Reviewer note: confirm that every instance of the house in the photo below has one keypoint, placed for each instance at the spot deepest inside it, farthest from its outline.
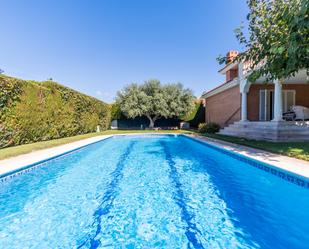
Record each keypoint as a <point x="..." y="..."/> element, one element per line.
<point x="255" y="110"/>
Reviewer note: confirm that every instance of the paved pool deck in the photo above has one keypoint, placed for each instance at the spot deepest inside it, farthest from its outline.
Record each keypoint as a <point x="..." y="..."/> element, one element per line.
<point x="296" y="166"/>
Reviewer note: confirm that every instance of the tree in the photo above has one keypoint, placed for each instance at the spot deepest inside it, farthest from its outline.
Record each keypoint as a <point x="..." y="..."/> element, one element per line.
<point x="277" y="45"/>
<point x="155" y="101"/>
<point x="1" y="71"/>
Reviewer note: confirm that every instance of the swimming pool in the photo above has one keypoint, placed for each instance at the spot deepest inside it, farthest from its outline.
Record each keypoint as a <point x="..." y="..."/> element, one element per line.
<point x="152" y="192"/>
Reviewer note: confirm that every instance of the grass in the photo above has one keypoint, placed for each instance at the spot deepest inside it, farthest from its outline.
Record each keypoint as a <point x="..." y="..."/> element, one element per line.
<point x="26" y="148"/>
<point x="298" y="150"/>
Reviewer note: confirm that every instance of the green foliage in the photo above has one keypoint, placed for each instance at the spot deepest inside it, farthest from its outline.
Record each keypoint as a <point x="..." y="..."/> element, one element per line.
<point x="155" y="101"/>
<point x="190" y="115"/>
<point x="202" y="127"/>
<point x="37" y="111"/>
<point x="277" y="45"/>
<point x="116" y="111"/>
<point x="196" y="116"/>
<point x="208" y="128"/>
<point x="10" y="91"/>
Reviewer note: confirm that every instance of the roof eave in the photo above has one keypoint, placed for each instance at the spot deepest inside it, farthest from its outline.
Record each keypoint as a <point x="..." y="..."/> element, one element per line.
<point x="221" y="88"/>
<point x="229" y="66"/>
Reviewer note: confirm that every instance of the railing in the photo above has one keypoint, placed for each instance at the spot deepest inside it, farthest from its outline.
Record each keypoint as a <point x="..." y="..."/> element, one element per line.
<point x="230" y="117"/>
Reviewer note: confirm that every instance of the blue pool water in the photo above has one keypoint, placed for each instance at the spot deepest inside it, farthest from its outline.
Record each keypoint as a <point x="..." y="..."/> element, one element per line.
<point x="152" y="192"/>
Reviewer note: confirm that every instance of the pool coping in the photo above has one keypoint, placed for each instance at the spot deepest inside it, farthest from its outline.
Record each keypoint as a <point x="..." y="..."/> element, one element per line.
<point x="22" y="162"/>
<point x="14" y="165"/>
<point x="294" y="166"/>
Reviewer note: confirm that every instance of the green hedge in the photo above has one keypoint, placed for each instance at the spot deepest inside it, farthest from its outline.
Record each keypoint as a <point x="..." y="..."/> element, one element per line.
<point x="33" y="111"/>
<point x="196" y="116"/>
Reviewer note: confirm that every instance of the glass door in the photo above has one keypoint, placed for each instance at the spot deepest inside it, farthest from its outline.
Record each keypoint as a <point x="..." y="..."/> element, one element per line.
<point x="266" y="105"/>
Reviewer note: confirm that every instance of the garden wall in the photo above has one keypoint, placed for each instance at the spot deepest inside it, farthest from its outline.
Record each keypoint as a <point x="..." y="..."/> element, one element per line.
<point x="32" y="111"/>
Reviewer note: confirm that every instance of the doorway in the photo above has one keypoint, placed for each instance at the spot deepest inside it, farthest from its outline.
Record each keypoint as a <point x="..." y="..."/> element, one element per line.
<point x="267" y="103"/>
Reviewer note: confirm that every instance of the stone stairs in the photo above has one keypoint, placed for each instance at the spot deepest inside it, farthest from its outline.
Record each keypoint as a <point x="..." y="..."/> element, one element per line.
<point x="270" y="131"/>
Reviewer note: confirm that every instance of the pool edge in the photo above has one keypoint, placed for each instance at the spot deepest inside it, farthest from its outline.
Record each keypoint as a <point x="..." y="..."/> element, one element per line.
<point x="29" y="167"/>
<point x="17" y="170"/>
<point x="284" y="174"/>
<point x="290" y="176"/>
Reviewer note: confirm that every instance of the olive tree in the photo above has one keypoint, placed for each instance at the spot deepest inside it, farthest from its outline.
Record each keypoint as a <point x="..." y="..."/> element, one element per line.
<point x="154" y="100"/>
<point x="277" y="40"/>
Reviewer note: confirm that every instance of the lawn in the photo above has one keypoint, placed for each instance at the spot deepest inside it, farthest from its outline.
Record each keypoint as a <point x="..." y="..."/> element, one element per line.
<point x="26" y="148"/>
<point x="298" y="150"/>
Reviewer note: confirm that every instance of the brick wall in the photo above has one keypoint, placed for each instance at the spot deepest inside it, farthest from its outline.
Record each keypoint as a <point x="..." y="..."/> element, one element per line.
<point x="224" y="106"/>
<point x="231" y="74"/>
<point x="301" y="98"/>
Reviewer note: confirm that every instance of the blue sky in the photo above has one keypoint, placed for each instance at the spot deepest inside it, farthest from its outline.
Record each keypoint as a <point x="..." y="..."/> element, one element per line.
<point x="99" y="46"/>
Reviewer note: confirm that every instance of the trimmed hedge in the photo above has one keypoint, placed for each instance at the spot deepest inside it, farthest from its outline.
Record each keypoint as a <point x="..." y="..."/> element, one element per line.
<point x="197" y="115"/>
<point x="32" y="111"/>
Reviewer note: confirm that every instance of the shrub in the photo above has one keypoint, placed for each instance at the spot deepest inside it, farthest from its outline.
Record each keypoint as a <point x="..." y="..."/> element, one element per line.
<point x="202" y="127"/>
<point x="208" y="128"/>
<point x="33" y="111"/>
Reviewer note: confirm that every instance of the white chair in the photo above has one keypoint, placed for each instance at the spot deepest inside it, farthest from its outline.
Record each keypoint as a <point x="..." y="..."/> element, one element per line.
<point x="302" y="112"/>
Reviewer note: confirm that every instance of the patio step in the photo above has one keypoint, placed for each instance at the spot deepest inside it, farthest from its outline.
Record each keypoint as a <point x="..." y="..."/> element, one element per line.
<point x="268" y="136"/>
<point x="266" y="130"/>
<point x="272" y="131"/>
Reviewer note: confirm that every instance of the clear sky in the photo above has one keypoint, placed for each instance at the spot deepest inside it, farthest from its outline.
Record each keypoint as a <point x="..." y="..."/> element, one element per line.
<point x="99" y="46"/>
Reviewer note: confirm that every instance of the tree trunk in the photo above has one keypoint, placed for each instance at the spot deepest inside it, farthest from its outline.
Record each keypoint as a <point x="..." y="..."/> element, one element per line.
<point x="151" y="121"/>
